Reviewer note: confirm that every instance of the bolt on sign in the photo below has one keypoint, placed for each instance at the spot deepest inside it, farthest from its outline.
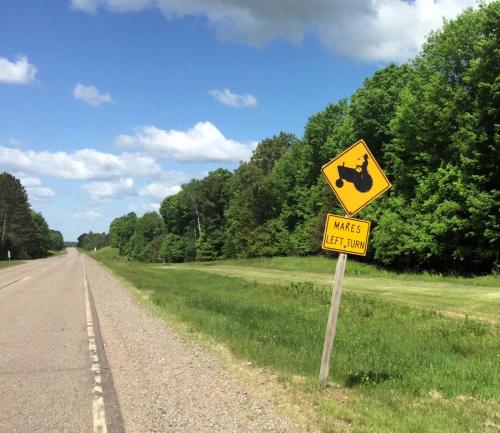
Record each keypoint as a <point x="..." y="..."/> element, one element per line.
<point x="355" y="177"/>
<point x="346" y="235"/>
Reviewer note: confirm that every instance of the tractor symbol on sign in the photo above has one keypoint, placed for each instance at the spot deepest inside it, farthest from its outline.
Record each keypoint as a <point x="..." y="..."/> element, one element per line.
<point x="359" y="176"/>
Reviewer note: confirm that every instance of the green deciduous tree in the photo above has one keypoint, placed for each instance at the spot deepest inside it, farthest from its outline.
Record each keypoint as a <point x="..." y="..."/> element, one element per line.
<point x="40" y="240"/>
<point x="56" y="240"/>
<point x="121" y="230"/>
<point x="90" y="241"/>
<point x="433" y="124"/>
<point x="444" y="154"/>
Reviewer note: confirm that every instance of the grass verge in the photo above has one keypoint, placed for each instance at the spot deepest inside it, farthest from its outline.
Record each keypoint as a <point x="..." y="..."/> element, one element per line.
<point x="7" y="264"/>
<point x="395" y="368"/>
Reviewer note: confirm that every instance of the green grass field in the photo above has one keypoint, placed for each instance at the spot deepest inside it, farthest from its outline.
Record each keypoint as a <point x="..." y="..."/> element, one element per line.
<point x="7" y="264"/>
<point x="477" y="297"/>
<point x="324" y="265"/>
<point x="397" y="368"/>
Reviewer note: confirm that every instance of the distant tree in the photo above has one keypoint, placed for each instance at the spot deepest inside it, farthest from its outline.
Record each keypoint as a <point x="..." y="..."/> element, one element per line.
<point x="56" y="240"/>
<point x="213" y="195"/>
<point x="374" y="105"/>
<point x="146" y="241"/>
<point x="444" y="155"/>
<point x="433" y="124"/>
<point x="270" y="150"/>
<point x="121" y="230"/>
<point x="174" y="249"/>
<point x="40" y="241"/>
<point x="319" y="130"/>
<point x="254" y="201"/>
<point x="16" y="226"/>
<point x="90" y="241"/>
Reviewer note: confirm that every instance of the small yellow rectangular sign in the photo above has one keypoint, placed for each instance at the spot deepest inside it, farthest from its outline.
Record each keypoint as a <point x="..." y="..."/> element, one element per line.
<point x="346" y="235"/>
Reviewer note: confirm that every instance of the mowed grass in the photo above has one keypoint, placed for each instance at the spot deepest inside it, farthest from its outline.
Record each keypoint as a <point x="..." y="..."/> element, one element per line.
<point x="477" y="297"/>
<point x="326" y="265"/>
<point x="397" y="368"/>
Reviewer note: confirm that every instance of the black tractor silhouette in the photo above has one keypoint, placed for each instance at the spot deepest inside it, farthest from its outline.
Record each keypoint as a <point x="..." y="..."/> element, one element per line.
<point x="359" y="176"/>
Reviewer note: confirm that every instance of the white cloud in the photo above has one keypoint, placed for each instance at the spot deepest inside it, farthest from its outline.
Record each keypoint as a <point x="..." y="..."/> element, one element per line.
<point x="168" y="183"/>
<point x="85" y="164"/>
<point x="15" y="142"/>
<point x="90" y="214"/>
<point x="141" y="208"/>
<point x="394" y="31"/>
<point x="203" y="142"/>
<point x="40" y="192"/>
<point x="376" y="30"/>
<point x="88" y="6"/>
<point x="226" y="97"/>
<point x="18" y="72"/>
<point x="29" y="182"/>
<point x="91" y="95"/>
<point x="36" y="191"/>
<point x="159" y="190"/>
<point x="109" y="190"/>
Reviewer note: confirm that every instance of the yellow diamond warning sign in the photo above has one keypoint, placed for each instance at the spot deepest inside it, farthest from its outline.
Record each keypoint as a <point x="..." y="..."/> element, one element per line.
<point x="355" y="177"/>
<point x="346" y="235"/>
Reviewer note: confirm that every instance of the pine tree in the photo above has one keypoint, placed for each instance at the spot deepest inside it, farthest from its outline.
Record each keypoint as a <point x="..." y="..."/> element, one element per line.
<point x="15" y="218"/>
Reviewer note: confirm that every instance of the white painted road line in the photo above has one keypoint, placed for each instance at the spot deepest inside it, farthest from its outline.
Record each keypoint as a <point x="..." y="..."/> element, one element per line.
<point x="99" y="414"/>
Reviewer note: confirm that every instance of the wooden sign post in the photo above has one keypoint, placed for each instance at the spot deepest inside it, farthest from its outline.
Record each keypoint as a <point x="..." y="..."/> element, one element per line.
<point x="332" y="320"/>
<point x="356" y="179"/>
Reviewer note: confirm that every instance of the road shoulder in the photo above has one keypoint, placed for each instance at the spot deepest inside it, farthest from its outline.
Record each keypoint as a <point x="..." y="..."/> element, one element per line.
<point x="165" y="383"/>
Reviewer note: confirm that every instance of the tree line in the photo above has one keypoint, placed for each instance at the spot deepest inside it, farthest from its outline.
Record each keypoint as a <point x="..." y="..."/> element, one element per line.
<point x="23" y="231"/>
<point x="90" y="241"/>
<point x="433" y="124"/>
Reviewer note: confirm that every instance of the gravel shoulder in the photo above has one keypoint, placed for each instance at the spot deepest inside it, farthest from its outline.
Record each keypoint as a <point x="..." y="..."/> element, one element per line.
<point x="165" y="383"/>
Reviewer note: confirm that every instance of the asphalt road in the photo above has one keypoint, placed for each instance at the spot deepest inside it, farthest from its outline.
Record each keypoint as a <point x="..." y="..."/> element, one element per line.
<point x="45" y="379"/>
<point x="78" y="354"/>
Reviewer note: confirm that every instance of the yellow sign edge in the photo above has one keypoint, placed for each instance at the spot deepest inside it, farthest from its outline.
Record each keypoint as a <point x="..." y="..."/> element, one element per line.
<point x="335" y="192"/>
<point x="328" y="215"/>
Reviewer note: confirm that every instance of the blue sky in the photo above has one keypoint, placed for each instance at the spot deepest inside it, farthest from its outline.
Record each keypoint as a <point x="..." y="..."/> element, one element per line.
<point x="107" y="106"/>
